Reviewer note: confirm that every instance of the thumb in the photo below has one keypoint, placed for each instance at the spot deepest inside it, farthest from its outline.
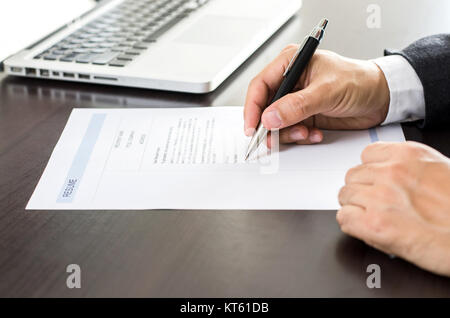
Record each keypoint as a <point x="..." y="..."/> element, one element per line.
<point x="294" y="108"/>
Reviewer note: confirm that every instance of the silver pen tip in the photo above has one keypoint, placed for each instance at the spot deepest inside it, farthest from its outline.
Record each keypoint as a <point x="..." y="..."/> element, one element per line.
<point x="323" y="23"/>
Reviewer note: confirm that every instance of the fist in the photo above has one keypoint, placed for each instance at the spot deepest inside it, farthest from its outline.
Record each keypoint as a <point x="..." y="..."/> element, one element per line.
<point x="398" y="201"/>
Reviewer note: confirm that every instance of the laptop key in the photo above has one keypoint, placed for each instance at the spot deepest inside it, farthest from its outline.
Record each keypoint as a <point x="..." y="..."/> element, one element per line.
<point x="85" y="58"/>
<point x="153" y="37"/>
<point x="122" y="34"/>
<point x="99" y="50"/>
<point x="120" y="49"/>
<point x="111" y="29"/>
<point x="141" y="46"/>
<point x="69" y="57"/>
<point x="51" y="57"/>
<point x="86" y="35"/>
<point x="127" y="43"/>
<point x="115" y="39"/>
<point x="59" y="52"/>
<point x="96" y="39"/>
<point x="133" y="52"/>
<point x="118" y="63"/>
<point x="91" y="30"/>
<point x="107" y="44"/>
<point x="135" y="39"/>
<point x="81" y="50"/>
<point x="69" y="46"/>
<point x="98" y="25"/>
<point x="125" y="57"/>
<point x="106" y="34"/>
<point x="89" y="45"/>
<point x="104" y="58"/>
<point x="76" y="41"/>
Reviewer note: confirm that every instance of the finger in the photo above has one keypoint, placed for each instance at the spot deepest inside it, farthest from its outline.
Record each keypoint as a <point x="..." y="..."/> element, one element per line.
<point x="257" y="96"/>
<point x="262" y="87"/>
<point x="377" y="152"/>
<point x="361" y="174"/>
<point x="294" y="133"/>
<point x="298" y="134"/>
<point x="355" y="194"/>
<point x="295" y="107"/>
<point x="350" y="220"/>
<point x="315" y="136"/>
<point x="377" y="230"/>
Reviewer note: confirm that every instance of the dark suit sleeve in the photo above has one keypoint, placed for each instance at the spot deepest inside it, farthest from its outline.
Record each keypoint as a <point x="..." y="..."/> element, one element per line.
<point x="430" y="58"/>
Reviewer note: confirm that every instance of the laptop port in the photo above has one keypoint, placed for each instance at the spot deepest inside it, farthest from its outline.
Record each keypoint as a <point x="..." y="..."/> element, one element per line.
<point x="30" y="71"/>
<point x="55" y="73"/>
<point x="15" y="69"/>
<point x="68" y="74"/>
<point x="104" y="78"/>
<point x="84" y="76"/>
<point x="44" y="73"/>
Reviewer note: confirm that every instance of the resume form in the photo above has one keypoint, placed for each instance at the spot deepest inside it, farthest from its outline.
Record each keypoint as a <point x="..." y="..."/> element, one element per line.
<point x="191" y="158"/>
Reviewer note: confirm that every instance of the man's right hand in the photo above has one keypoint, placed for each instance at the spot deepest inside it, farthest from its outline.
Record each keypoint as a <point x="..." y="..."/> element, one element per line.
<point x="334" y="92"/>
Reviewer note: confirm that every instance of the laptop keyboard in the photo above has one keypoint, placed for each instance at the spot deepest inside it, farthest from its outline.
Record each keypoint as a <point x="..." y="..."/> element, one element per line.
<point x="122" y="33"/>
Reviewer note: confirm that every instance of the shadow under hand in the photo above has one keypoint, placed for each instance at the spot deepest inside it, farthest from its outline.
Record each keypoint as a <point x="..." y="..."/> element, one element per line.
<point x="399" y="278"/>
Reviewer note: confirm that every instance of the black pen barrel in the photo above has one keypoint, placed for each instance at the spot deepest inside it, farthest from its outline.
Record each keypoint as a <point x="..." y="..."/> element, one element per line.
<point x="297" y="68"/>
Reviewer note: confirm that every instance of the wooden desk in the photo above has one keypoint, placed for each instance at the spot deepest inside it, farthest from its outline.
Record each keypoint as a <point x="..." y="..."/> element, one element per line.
<point x="195" y="253"/>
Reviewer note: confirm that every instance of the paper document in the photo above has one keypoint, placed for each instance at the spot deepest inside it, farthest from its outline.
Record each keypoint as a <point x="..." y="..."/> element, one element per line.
<point x="191" y="158"/>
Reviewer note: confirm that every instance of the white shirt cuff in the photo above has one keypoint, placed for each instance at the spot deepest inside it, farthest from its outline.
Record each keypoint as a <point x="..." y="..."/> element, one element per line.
<point x="406" y="91"/>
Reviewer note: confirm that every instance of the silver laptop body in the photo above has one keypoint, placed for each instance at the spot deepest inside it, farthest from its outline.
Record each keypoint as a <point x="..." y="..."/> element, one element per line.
<point x="176" y="45"/>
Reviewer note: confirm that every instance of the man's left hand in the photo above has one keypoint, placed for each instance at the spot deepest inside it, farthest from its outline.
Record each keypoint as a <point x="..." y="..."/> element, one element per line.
<point x="398" y="201"/>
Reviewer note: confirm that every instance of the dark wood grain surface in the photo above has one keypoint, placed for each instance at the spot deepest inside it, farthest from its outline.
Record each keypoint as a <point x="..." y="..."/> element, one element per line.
<point x="191" y="253"/>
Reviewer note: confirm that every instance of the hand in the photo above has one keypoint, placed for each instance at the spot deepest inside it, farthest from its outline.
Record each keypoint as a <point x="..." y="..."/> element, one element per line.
<point x="333" y="93"/>
<point x="398" y="201"/>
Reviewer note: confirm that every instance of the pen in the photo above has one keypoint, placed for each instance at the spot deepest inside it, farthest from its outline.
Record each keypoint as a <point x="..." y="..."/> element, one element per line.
<point x="291" y="75"/>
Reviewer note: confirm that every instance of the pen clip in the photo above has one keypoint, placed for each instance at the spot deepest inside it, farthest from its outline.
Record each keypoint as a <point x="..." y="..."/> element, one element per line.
<point x="317" y="34"/>
<point x="288" y="68"/>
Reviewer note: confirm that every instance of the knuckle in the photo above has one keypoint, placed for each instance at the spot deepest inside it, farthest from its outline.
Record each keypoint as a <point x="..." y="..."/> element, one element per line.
<point x="376" y="222"/>
<point x="383" y="196"/>
<point x="322" y="55"/>
<point x="365" y="154"/>
<point x="253" y="81"/>
<point x="340" y="217"/>
<point x="290" y="46"/>
<point x="342" y="220"/>
<point x="343" y="193"/>
<point x="384" y="193"/>
<point x="344" y="228"/>
<point x="409" y="149"/>
<point x="349" y="176"/>
<point x="328" y="85"/>
<point x="346" y="194"/>
<point x="295" y="106"/>
<point x="394" y="172"/>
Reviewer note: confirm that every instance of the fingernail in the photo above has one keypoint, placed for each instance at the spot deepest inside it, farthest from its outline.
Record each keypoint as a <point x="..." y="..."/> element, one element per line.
<point x="296" y="135"/>
<point x="315" y="137"/>
<point x="249" y="132"/>
<point x="272" y="119"/>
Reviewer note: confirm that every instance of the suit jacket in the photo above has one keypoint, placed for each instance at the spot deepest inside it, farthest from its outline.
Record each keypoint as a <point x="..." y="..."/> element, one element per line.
<point x="430" y="58"/>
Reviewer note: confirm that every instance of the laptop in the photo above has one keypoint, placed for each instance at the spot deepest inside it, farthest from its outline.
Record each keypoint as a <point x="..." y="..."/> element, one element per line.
<point x="176" y="45"/>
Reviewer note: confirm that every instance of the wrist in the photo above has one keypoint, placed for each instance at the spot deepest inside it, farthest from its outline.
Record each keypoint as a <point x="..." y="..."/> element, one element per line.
<point x="380" y="92"/>
<point x="438" y="251"/>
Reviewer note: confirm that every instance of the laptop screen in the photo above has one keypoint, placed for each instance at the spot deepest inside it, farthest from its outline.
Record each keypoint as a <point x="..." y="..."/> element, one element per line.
<point x="24" y="22"/>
